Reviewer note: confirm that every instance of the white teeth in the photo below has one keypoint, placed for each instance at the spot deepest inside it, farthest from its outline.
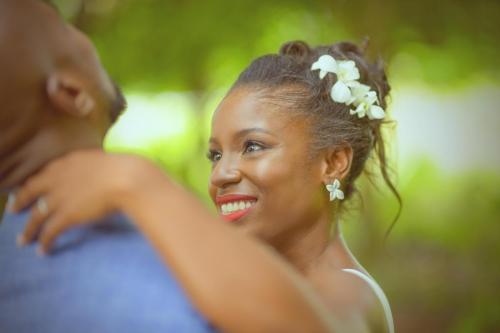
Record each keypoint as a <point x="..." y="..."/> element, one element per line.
<point x="232" y="207"/>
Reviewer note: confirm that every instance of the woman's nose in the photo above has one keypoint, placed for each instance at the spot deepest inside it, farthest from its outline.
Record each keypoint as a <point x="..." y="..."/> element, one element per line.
<point x="225" y="173"/>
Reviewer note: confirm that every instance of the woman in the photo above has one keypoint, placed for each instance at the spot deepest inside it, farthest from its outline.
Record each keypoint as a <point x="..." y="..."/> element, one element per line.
<point x="288" y="142"/>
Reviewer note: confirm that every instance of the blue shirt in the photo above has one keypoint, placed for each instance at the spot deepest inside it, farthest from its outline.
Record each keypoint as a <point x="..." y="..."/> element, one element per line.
<point x="101" y="279"/>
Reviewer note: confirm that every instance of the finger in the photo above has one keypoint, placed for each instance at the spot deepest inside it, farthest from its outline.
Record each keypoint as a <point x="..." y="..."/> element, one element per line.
<point x="54" y="227"/>
<point x="38" y="217"/>
<point x="34" y="188"/>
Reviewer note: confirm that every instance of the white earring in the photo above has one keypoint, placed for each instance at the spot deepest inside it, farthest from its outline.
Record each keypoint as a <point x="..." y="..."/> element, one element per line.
<point x="335" y="191"/>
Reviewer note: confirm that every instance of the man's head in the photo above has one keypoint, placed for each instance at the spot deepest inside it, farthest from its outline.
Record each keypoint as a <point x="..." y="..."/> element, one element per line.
<point x="55" y="95"/>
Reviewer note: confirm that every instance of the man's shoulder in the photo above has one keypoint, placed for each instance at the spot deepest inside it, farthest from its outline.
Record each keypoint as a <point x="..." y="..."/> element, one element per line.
<point x="107" y="278"/>
<point x="114" y="234"/>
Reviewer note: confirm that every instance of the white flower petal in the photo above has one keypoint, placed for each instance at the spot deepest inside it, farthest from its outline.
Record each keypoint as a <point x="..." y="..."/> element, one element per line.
<point x="339" y="194"/>
<point x="326" y="64"/>
<point x="354" y="111"/>
<point x="349" y="70"/>
<point x="352" y="84"/>
<point x="346" y="65"/>
<point x="371" y="97"/>
<point x="336" y="183"/>
<point x="361" y="110"/>
<point x="376" y="112"/>
<point x="330" y="187"/>
<point x="332" y="195"/>
<point x="360" y="90"/>
<point x="340" y="92"/>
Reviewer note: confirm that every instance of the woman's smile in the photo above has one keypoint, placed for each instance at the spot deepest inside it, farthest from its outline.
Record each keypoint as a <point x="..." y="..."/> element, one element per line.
<point x="263" y="176"/>
<point x="233" y="207"/>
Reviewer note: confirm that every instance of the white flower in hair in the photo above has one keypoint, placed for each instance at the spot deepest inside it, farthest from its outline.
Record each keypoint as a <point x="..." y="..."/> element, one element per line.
<point x="347" y="76"/>
<point x="335" y="191"/>
<point x="348" y="90"/>
<point x="326" y="64"/>
<point x="365" y="101"/>
<point x="358" y="91"/>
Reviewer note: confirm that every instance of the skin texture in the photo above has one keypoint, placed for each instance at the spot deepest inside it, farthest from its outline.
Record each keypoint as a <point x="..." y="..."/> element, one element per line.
<point x="320" y="295"/>
<point x="57" y="99"/>
<point x="258" y="149"/>
<point x="260" y="152"/>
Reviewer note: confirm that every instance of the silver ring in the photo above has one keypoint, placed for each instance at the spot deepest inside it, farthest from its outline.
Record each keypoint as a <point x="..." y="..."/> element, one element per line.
<point x="42" y="206"/>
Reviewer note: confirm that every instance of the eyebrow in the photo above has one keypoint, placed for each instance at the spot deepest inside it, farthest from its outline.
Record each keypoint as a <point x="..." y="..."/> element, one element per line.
<point x="244" y="132"/>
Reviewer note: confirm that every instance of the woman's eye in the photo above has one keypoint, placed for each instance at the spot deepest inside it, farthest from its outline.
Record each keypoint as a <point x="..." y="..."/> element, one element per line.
<point x="251" y="146"/>
<point x="214" y="155"/>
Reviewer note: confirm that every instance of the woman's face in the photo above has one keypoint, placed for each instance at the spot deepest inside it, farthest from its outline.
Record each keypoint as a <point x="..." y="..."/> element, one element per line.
<point x="264" y="177"/>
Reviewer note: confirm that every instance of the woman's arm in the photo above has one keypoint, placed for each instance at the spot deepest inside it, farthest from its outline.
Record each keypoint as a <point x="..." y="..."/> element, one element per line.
<point x="237" y="282"/>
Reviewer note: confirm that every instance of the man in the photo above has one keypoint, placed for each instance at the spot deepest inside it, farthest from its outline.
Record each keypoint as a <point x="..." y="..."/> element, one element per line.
<point x="56" y="97"/>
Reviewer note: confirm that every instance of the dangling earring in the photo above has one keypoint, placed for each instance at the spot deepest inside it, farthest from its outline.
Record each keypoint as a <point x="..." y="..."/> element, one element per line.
<point x="335" y="191"/>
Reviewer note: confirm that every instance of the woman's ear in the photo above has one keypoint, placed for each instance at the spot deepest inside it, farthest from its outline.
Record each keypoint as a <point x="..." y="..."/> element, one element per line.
<point x="337" y="163"/>
<point x="68" y="93"/>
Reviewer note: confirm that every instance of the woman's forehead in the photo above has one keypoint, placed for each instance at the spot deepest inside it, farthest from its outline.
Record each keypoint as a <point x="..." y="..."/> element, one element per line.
<point x="242" y="112"/>
<point x="244" y="108"/>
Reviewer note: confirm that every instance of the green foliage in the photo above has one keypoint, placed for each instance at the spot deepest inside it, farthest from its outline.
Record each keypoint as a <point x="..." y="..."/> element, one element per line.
<point x="439" y="265"/>
<point x="158" y="45"/>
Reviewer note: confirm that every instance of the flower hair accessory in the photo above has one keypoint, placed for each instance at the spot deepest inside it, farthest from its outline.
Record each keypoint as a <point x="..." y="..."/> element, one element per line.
<point x="348" y="90"/>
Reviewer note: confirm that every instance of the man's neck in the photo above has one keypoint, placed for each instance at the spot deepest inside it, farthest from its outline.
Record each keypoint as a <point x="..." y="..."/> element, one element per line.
<point x="46" y="146"/>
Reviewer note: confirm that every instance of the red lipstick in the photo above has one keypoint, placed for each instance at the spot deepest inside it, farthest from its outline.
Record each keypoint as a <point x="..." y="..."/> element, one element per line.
<point x="236" y="215"/>
<point x="230" y="198"/>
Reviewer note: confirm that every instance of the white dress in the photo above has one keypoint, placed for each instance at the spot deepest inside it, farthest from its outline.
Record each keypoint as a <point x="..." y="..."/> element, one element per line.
<point x="380" y="295"/>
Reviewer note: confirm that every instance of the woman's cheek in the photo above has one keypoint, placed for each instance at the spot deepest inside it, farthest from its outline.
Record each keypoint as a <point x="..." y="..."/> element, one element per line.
<point x="271" y="170"/>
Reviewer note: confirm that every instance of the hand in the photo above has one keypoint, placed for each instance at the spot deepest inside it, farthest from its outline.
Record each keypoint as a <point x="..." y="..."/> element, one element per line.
<point x="77" y="189"/>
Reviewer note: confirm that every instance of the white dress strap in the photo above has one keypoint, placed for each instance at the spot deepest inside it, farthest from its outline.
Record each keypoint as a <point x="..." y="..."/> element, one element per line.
<point x="380" y="295"/>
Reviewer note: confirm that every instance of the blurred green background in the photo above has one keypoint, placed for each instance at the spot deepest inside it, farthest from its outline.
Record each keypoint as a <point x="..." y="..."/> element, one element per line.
<point x="440" y="265"/>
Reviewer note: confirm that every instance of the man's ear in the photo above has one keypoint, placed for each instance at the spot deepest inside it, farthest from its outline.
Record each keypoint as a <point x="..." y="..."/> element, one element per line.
<point x="68" y="93"/>
<point x="337" y="163"/>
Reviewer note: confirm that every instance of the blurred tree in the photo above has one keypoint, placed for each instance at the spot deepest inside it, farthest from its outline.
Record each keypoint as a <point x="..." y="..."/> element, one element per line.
<point x="193" y="45"/>
<point x="445" y="247"/>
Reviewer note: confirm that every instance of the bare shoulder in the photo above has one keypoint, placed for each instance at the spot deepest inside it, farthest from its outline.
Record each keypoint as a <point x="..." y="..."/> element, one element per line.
<point x="354" y="297"/>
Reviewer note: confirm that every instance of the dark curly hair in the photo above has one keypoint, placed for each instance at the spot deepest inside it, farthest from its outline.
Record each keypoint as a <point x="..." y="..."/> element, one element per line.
<point x="286" y="79"/>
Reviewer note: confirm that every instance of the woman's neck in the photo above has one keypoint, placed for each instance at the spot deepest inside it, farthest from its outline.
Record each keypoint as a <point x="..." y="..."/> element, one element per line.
<point x="305" y="248"/>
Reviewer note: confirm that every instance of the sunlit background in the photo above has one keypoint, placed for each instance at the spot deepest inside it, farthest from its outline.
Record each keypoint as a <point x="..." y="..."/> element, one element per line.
<point x="440" y="265"/>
